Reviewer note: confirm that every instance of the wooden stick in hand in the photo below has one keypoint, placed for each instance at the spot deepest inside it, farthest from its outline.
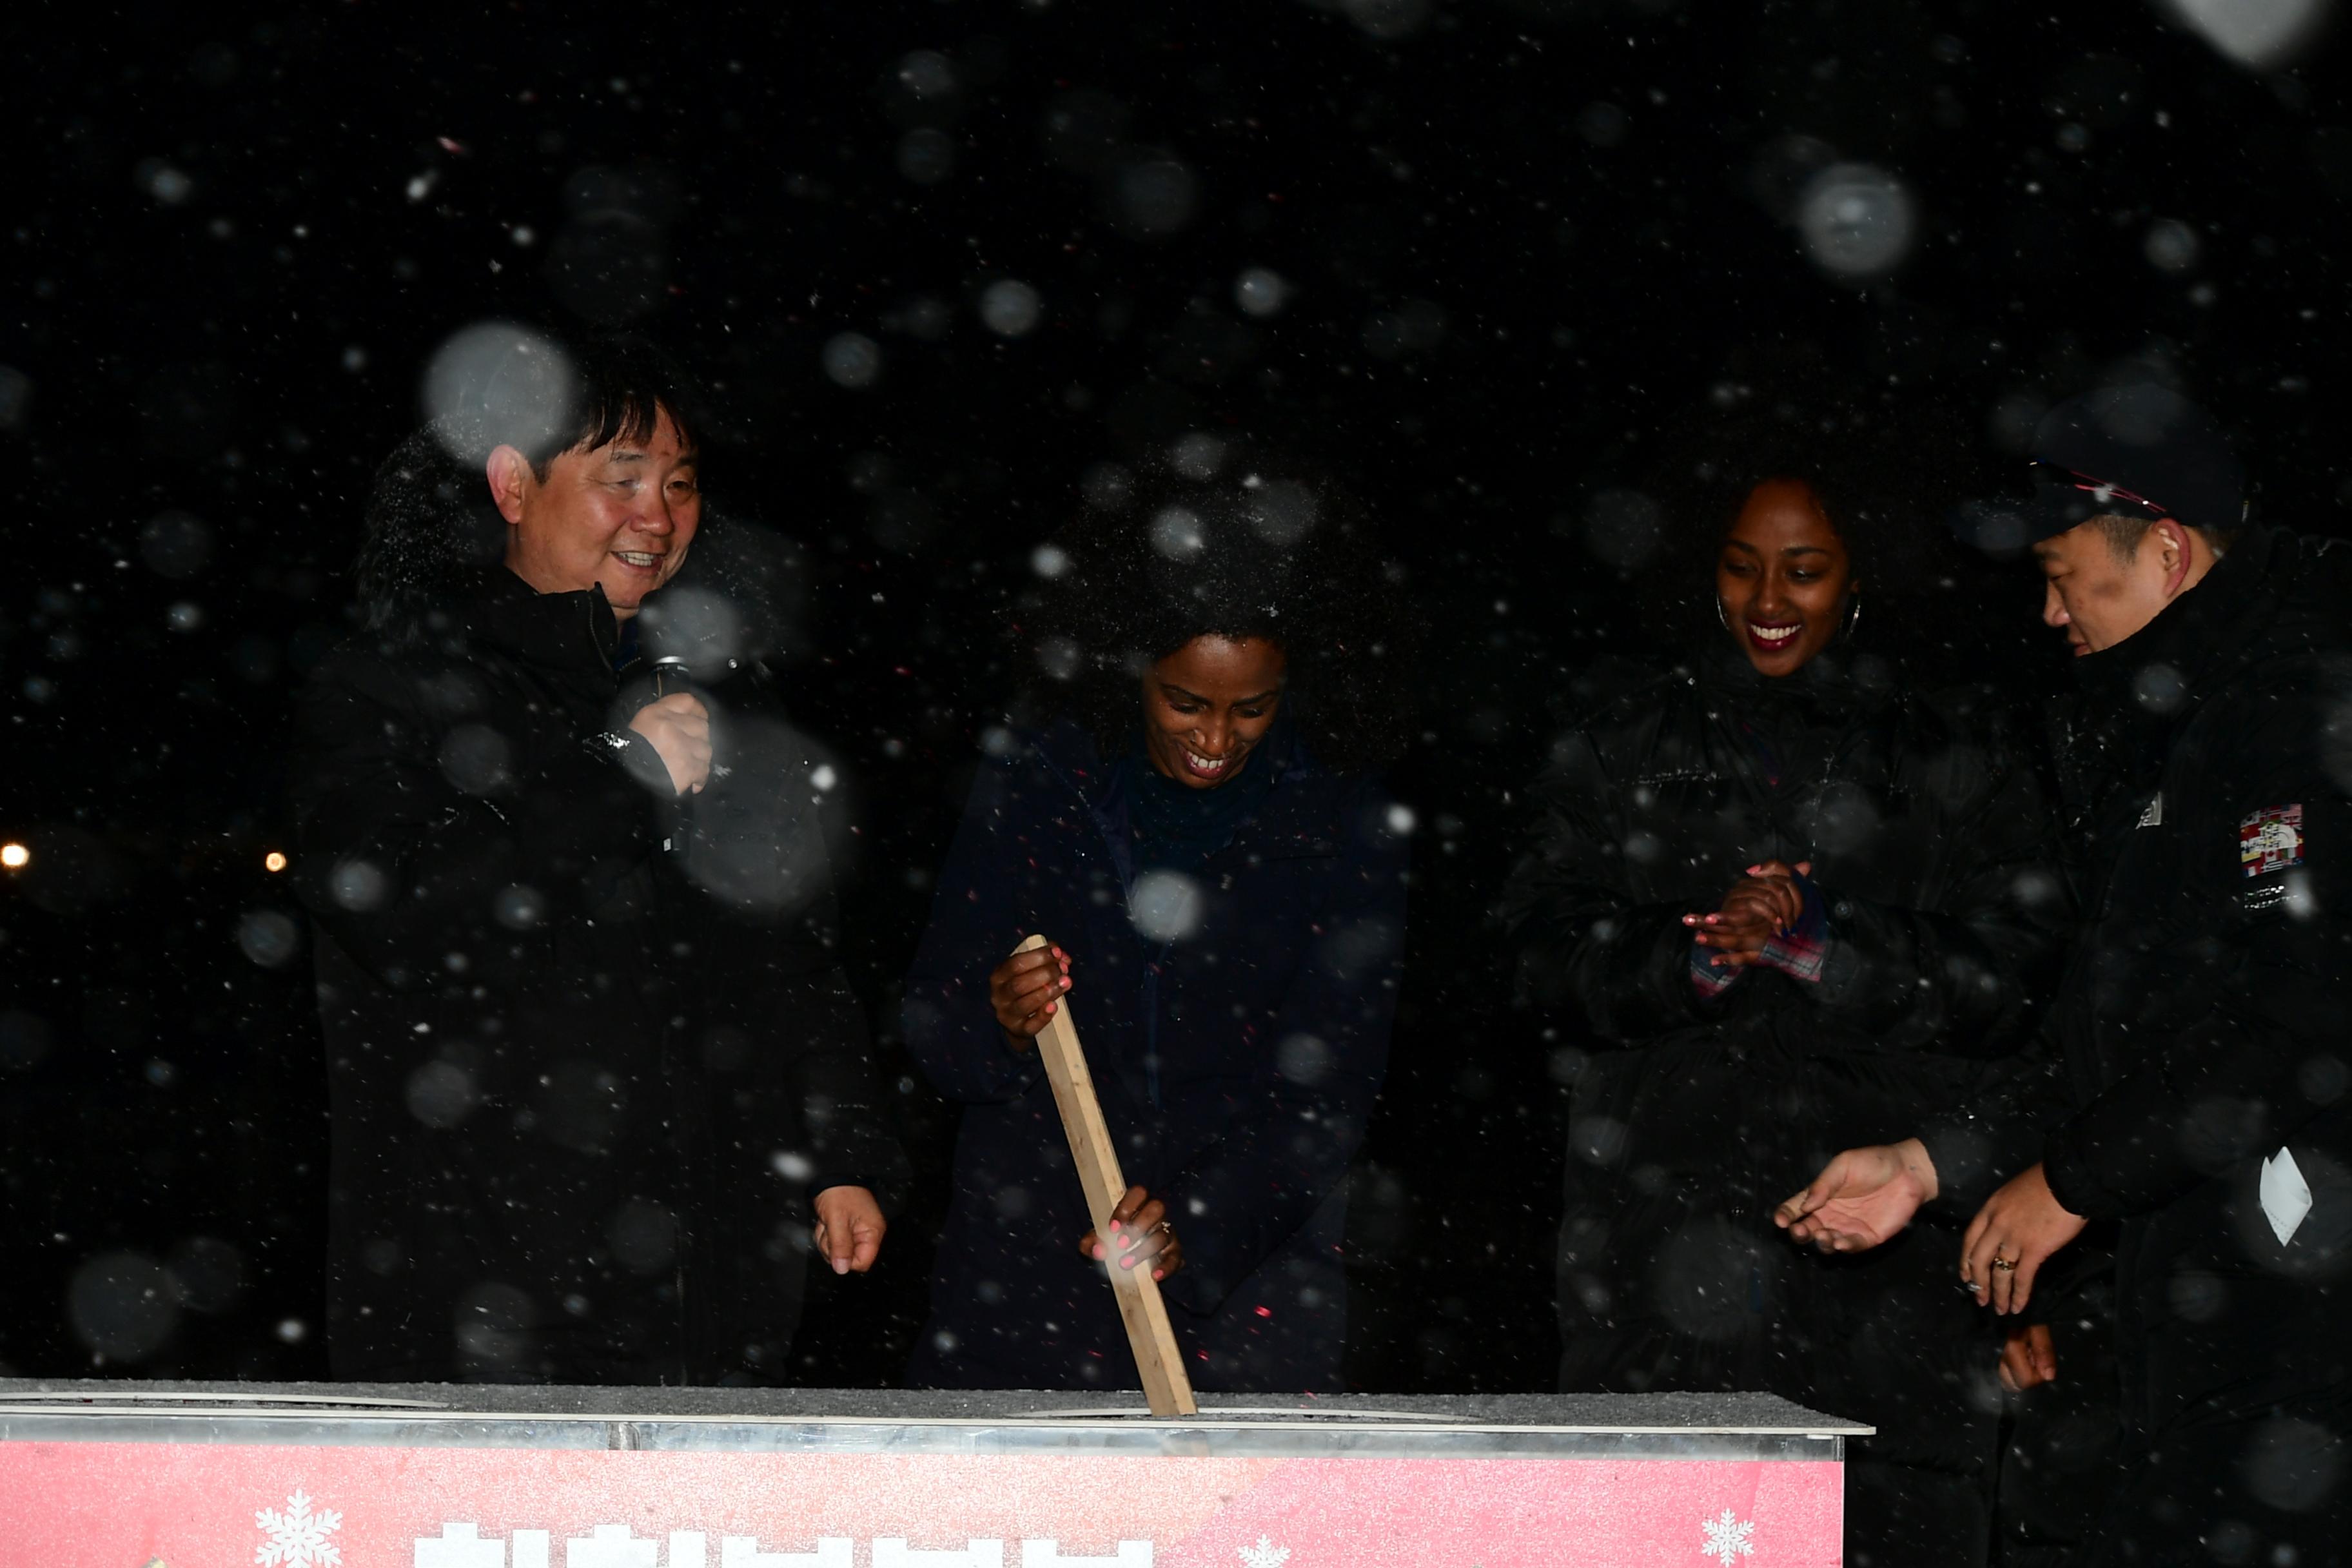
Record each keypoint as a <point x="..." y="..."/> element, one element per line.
<point x="1149" y="1334"/>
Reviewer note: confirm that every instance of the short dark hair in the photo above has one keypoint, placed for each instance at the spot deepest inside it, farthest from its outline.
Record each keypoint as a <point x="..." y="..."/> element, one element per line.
<point x="1217" y="538"/>
<point x="620" y="384"/>
<point x="543" y="395"/>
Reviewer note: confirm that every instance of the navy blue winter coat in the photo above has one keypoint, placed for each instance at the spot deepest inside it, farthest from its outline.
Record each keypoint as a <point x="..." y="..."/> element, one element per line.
<point x="1237" y="1066"/>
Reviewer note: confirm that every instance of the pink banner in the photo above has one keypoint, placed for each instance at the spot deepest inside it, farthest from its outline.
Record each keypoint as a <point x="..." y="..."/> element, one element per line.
<point x="122" y="1505"/>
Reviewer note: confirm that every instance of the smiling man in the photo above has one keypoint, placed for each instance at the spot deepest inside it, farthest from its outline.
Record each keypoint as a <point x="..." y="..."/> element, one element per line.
<point x="619" y="515"/>
<point x="597" y="1084"/>
<point x="2197" y="1064"/>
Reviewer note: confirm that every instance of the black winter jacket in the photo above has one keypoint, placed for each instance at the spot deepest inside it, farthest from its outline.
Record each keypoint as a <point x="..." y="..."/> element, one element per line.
<point x="2199" y="1038"/>
<point x="1693" y="1115"/>
<point x="588" y="1045"/>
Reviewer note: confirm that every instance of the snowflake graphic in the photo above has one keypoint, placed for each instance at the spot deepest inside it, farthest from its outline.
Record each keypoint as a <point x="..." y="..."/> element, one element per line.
<point x="297" y="1538"/>
<point x="1264" y="1554"/>
<point x="1727" y="1538"/>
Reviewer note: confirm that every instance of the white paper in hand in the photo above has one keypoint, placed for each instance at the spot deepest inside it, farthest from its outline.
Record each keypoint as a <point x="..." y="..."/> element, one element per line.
<point x="2286" y="1196"/>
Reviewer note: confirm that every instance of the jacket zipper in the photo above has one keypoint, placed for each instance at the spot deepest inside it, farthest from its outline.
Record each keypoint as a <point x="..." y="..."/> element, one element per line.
<point x="689" y="1237"/>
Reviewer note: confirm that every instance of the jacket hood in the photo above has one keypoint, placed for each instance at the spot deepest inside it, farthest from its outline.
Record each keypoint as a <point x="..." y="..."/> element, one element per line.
<point x="434" y="540"/>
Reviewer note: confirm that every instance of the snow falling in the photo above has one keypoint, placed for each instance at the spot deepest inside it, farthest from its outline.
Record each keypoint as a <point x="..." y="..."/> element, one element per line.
<point x="1460" y="310"/>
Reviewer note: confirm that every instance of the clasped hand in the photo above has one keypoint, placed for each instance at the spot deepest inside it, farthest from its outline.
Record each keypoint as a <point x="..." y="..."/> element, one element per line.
<point x="849" y="1228"/>
<point x="1024" y="992"/>
<point x="677" y="727"/>
<point x="1760" y="906"/>
<point x="1139" y="1229"/>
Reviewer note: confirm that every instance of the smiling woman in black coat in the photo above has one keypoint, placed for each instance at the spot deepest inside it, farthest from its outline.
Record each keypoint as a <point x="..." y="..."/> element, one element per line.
<point x="1197" y="831"/>
<point x="1780" y="894"/>
<point x="590" y="1057"/>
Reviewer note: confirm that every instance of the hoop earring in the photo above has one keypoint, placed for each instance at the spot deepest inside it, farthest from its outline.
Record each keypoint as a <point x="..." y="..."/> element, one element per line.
<point x="1854" y="614"/>
<point x="1721" y="614"/>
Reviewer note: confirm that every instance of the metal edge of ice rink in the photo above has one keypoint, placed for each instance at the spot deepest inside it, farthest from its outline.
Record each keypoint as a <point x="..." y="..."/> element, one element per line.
<point x="1356" y="1428"/>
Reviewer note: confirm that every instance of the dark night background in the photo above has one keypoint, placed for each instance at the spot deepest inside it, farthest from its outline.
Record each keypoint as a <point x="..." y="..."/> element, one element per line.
<point x="1519" y="238"/>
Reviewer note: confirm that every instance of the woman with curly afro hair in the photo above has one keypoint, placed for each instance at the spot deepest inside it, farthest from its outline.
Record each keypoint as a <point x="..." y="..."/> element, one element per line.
<point x="1195" y="823"/>
<point x="1778" y="888"/>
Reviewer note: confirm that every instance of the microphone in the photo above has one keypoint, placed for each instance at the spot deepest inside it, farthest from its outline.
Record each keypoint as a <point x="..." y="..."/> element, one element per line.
<point x="674" y="645"/>
<point x="688" y="632"/>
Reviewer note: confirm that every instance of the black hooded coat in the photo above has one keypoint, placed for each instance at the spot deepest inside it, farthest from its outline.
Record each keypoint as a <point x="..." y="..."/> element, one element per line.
<point x="588" y="1044"/>
<point x="2196" y="1086"/>
<point x="1934" y="857"/>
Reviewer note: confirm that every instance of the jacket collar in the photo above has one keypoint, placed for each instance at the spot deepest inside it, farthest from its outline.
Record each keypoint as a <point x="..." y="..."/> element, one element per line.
<point x="2145" y="687"/>
<point x="2131" y="701"/>
<point x="1070" y="749"/>
<point x="486" y="606"/>
<point x="1839" y="682"/>
<point x="1283" y="820"/>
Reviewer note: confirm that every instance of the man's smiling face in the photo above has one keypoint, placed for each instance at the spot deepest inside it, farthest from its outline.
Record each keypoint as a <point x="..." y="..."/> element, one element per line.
<point x="622" y="514"/>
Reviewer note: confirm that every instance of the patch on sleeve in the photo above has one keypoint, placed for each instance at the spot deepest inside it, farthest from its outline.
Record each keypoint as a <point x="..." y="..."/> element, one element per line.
<point x="2270" y="840"/>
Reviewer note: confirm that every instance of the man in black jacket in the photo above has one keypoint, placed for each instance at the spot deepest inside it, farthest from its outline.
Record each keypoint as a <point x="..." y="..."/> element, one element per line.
<point x="589" y="1043"/>
<point x="2194" y="1085"/>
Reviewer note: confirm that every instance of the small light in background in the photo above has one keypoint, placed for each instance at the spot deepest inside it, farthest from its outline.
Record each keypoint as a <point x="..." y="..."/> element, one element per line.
<point x="15" y="855"/>
<point x="273" y="861"/>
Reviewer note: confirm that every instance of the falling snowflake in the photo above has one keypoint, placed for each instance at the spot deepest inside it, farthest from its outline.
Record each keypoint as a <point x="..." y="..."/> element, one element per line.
<point x="1264" y="1554"/>
<point x="297" y="1538"/>
<point x="1727" y="1538"/>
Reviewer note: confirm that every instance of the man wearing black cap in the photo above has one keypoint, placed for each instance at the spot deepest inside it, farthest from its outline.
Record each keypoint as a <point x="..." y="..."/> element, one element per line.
<point x="2195" y="1064"/>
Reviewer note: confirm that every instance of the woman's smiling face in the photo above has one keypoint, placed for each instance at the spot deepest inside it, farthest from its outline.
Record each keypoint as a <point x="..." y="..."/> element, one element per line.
<point x="1207" y="705"/>
<point x="1782" y="576"/>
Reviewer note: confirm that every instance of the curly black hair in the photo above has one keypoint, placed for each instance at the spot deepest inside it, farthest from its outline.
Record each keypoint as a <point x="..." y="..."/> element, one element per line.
<point x="1217" y="538"/>
<point x="1885" y="471"/>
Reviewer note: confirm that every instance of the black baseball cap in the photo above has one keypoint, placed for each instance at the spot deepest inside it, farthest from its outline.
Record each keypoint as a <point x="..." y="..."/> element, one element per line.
<point x="2141" y="450"/>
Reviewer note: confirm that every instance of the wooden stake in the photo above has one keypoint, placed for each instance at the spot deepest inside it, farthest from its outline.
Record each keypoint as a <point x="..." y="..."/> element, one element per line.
<point x="1148" y="1335"/>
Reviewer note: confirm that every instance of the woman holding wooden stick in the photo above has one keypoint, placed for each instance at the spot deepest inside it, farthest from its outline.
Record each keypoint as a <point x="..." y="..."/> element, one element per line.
<point x="1192" y="818"/>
